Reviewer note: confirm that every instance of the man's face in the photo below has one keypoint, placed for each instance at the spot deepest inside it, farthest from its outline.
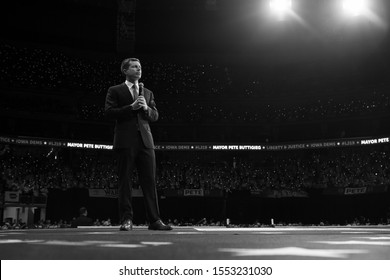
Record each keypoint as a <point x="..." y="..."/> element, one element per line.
<point x="134" y="72"/>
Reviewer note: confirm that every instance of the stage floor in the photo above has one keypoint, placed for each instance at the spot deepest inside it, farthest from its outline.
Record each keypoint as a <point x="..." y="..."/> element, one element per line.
<point x="198" y="243"/>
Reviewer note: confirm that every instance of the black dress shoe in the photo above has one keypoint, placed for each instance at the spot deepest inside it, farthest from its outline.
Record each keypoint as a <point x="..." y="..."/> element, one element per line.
<point x="159" y="225"/>
<point x="126" y="225"/>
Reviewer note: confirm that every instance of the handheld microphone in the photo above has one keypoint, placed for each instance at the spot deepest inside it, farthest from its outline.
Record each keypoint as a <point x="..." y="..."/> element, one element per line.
<point x="141" y="88"/>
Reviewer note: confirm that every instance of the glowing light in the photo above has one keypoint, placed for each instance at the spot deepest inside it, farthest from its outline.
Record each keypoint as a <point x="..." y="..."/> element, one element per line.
<point x="280" y="7"/>
<point x="354" y="7"/>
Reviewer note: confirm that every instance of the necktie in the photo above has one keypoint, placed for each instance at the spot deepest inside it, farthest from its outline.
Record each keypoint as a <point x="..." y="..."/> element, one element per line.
<point x="135" y="92"/>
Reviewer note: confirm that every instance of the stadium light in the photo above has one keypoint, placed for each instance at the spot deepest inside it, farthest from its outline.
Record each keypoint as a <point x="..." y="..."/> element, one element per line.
<point x="280" y="7"/>
<point x="354" y="7"/>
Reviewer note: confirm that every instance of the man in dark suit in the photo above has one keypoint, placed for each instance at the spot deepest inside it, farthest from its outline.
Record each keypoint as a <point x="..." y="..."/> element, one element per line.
<point x="83" y="219"/>
<point x="132" y="107"/>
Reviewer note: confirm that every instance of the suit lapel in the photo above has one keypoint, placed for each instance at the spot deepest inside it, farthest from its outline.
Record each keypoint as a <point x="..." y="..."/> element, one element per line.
<point x="126" y="91"/>
<point x="146" y="95"/>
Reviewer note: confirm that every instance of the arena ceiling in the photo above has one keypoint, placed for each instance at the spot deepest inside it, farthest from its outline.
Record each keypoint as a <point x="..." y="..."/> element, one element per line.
<point x="316" y="31"/>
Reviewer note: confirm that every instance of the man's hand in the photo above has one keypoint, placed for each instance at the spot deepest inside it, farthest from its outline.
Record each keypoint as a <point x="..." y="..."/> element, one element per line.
<point x="139" y="103"/>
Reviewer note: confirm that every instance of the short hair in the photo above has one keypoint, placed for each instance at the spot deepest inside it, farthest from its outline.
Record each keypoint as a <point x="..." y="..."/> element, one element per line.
<point x="83" y="210"/>
<point x="126" y="63"/>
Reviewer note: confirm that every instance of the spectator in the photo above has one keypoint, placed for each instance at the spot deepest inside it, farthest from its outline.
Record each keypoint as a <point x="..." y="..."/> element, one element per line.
<point x="83" y="219"/>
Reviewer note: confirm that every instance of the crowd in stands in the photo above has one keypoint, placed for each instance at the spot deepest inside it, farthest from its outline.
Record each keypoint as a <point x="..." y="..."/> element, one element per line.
<point x="294" y="171"/>
<point x="36" y="68"/>
<point x="204" y="222"/>
<point x="257" y="111"/>
<point x="48" y="224"/>
<point x="195" y="112"/>
<point x="37" y="170"/>
<point x="185" y="93"/>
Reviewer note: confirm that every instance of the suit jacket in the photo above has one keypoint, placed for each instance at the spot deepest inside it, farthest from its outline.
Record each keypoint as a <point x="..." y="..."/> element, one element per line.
<point x="129" y="121"/>
<point x="82" y="221"/>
